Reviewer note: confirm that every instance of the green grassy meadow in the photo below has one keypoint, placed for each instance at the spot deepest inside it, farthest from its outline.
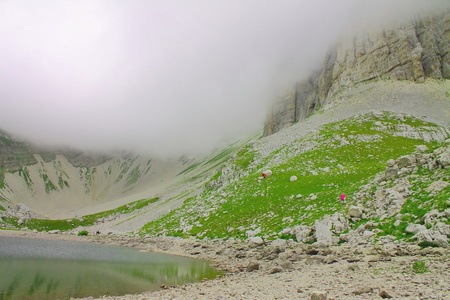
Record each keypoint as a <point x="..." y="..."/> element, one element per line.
<point x="338" y="159"/>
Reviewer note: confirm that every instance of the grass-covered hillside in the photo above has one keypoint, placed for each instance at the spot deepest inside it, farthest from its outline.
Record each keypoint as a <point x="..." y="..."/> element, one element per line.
<point x="393" y="169"/>
<point x="347" y="157"/>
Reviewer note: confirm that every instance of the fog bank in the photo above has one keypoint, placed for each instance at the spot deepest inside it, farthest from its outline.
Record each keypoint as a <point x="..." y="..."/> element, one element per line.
<point x="164" y="77"/>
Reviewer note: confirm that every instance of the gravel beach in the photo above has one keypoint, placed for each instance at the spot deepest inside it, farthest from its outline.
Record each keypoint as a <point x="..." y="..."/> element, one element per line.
<point x="290" y="270"/>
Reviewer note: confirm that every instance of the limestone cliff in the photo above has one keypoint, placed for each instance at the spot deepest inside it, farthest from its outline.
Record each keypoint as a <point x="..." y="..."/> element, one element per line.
<point x="414" y="51"/>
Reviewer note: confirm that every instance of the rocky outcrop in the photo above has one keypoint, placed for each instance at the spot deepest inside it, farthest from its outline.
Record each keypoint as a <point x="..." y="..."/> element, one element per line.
<point x="385" y="198"/>
<point x="413" y="51"/>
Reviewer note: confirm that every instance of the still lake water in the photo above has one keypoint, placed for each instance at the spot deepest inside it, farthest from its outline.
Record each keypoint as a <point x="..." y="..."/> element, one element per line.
<point x="48" y="269"/>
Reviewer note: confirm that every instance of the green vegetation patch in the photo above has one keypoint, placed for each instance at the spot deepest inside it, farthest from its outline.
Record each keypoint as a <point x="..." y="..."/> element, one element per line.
<point x="133" y="176"/>
<point x="69" y="224"/>
<point x="420" y="267"/>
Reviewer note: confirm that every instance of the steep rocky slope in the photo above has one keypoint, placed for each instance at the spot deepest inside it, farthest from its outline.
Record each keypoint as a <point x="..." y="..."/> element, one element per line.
<point x="413" y="51"/>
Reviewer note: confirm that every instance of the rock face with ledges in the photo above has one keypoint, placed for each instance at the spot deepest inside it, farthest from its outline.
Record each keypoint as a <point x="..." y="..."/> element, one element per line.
<point x="413" y="51"/>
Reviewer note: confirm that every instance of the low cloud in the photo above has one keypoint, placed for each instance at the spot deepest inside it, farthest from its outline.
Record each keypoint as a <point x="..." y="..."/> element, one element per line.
<point x="164" y="77"/>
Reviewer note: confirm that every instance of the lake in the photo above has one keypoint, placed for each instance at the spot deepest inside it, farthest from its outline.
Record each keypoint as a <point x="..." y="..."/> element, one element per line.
<point x="48" y="269"/>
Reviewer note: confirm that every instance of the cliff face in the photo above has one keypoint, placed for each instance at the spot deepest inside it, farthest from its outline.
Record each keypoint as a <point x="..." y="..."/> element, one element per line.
<point x="412" y="51"/>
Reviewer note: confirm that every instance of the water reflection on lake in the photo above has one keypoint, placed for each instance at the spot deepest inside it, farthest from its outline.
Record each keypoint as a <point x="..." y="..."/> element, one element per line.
<point x="43" y="269"/>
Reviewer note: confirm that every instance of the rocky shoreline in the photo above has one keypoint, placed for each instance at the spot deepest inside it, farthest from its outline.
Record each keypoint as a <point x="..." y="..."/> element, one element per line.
<point x="283" y="269"/>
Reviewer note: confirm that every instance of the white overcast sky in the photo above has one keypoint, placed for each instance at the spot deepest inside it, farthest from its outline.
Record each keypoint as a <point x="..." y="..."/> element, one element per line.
<point x="166" y="77"/>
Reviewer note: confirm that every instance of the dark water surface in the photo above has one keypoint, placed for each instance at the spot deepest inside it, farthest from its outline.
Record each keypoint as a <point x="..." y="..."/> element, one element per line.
<point x="44" y="269"/>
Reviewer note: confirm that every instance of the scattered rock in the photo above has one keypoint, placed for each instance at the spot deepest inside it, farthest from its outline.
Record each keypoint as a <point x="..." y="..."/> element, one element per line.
<point x="330" y="259"/>
<point x="293" y="178"/>
<point x="318" y="296"/>
<point x="406" y="161"/>
<point x="421" y="149"/>
<point x="354" y="212"/>
<point x="363" y="290"/>
<point x="276" y="269"/>
<point x="386" y="294"/>
<point x="253" y="266"/>
<point x="255" y="241"/>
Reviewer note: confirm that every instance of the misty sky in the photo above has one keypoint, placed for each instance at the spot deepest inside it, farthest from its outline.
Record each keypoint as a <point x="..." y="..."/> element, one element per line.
<point x="166" y="77"/>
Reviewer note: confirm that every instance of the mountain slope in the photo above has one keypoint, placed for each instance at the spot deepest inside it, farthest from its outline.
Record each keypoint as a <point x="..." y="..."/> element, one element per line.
<point x="337" y="158"/>
<point x="67" y="183"/>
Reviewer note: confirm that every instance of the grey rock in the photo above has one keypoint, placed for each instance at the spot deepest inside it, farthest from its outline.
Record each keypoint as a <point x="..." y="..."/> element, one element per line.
<point x="252" y="233"/>
<point x="385" y="294"/>
<point x="421" y="149"/>
<point x="279" y="244"/>
<point x="276" y="269"/>
<point x="318" y="296"/>
<point x="354" y="212"/>
<point x="363" y="290"/>
<point x="437" y="186"/>
<point x="406" y="161"/>
<point x="443" y="159"/>
<point x="415" y="228"/>
<point x="323" y="232"/>
<point x="255" y="241"/>
<point x="302" y="233"/>
<point x="329" y="259"/>
<point x="391" y="172"/>
<point x="390" y="163"/>
<point x="252" y="266"/>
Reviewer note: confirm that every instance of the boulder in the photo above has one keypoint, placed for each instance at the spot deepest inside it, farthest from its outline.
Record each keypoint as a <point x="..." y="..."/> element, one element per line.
<point x="255" y="241"/>
<point x="252" y="266"/>
<point x="293" y="178"/>
<point x="444" y="158"/>
<point x="302" y="233"/>
<point x="391" y="172"/>
<point x="323" y="232"/>
<point x="318" y="296"/>
<point x="279" y="245"/>
<point x="252" y="233"/>
<point x="416" y="228"/>
<point x="421" y="149"/>
<point x="276" y="269"/>
<point x="406" y="161"/>
<point x="355" y="212"/>
<point x="386" y="294"/>
<point x="390" y="163"/>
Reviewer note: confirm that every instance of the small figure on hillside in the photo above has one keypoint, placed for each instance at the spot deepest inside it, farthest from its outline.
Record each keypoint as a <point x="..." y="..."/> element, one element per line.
<point x="342" y="198"/>
<point x="266" y="173"/>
